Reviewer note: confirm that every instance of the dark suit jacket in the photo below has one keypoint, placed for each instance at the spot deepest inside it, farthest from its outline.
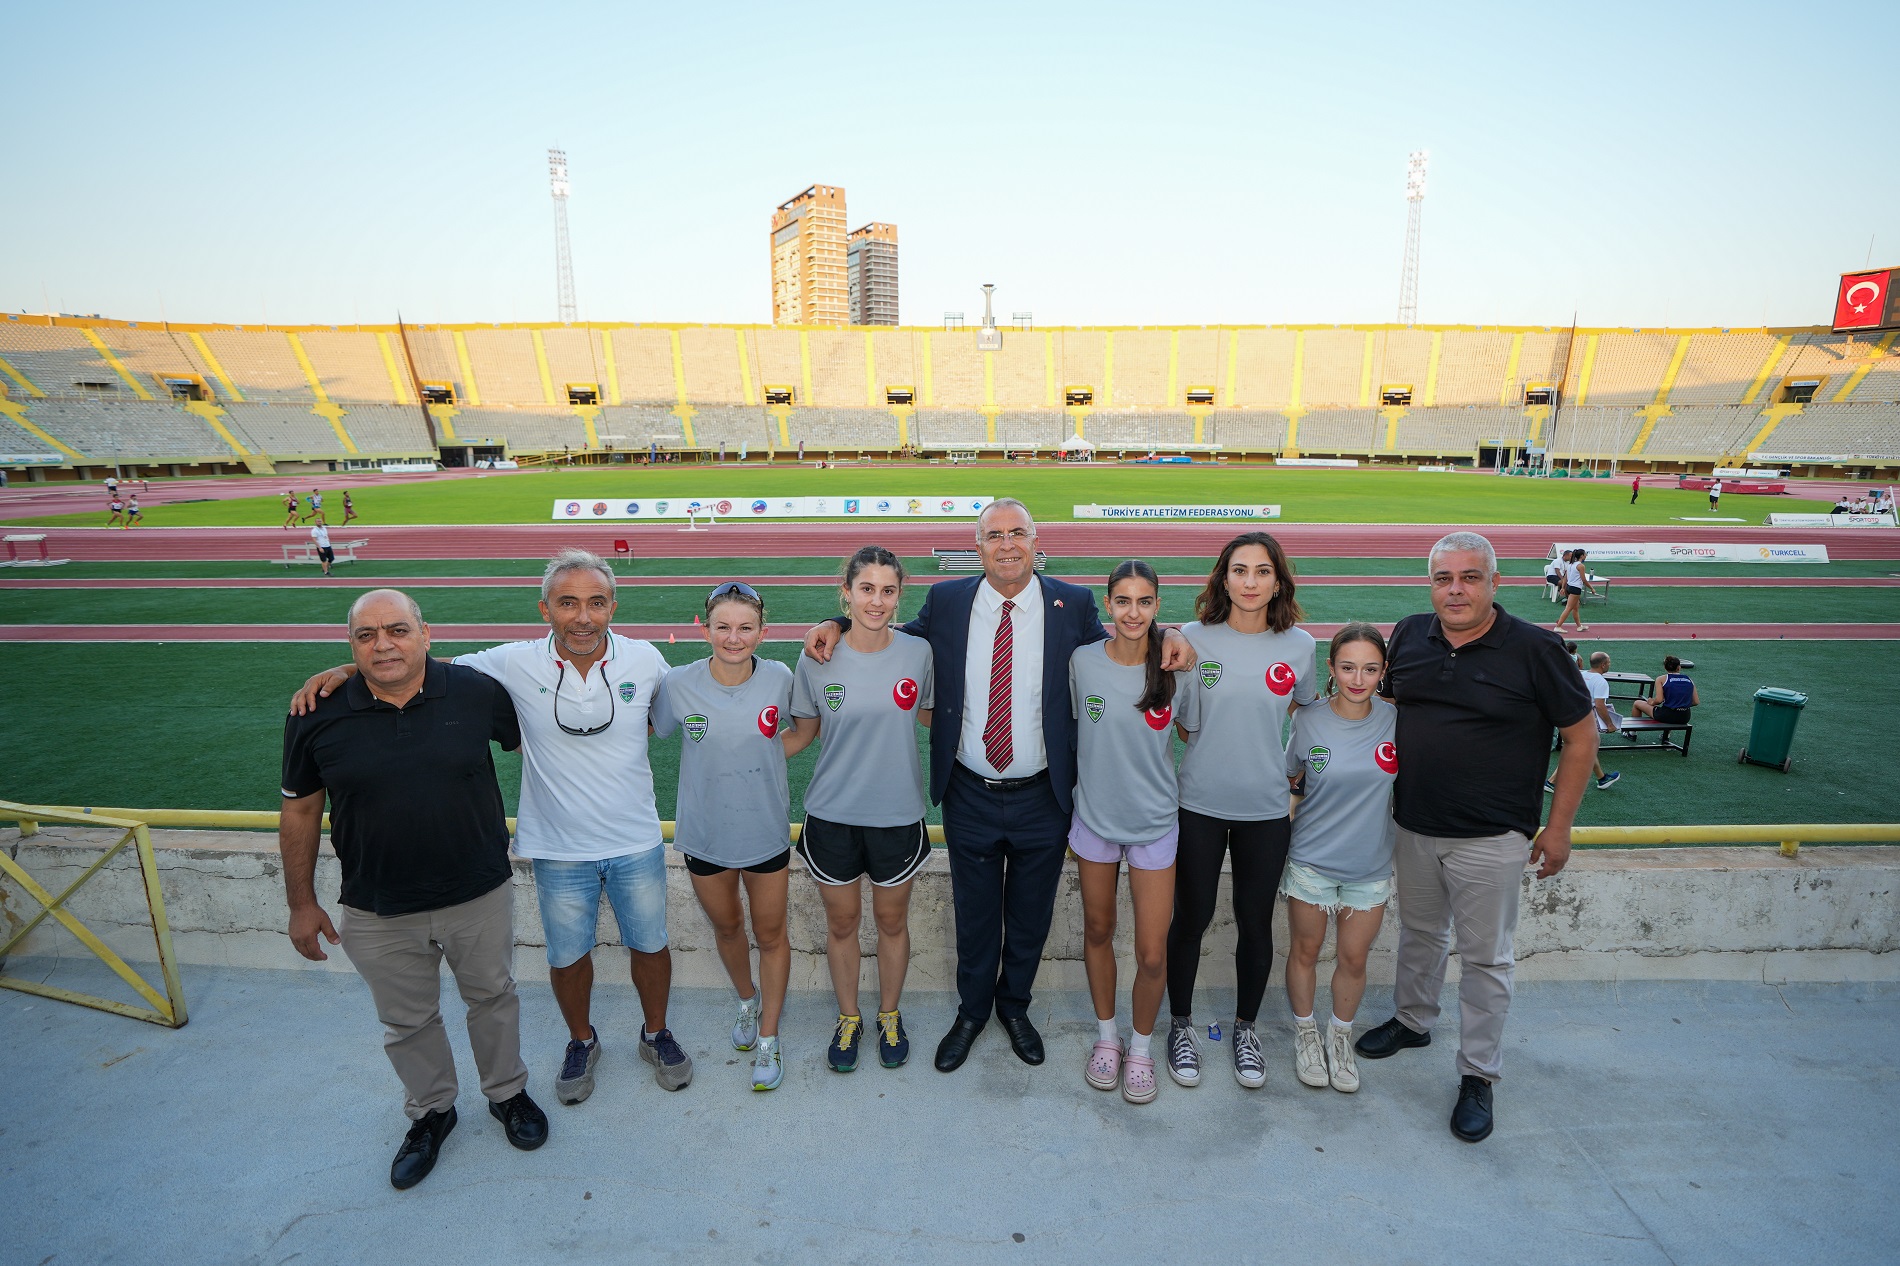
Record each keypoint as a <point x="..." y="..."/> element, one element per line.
<point x="1069" y="620"/>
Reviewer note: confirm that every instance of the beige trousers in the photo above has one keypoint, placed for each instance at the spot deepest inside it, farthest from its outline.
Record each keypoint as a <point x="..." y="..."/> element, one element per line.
<point x="400" y="959"/>
<point x="1472" y="886"/>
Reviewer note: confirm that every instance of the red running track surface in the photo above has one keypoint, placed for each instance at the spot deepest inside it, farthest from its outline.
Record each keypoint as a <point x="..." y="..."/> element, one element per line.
<point x="759" y="540"/>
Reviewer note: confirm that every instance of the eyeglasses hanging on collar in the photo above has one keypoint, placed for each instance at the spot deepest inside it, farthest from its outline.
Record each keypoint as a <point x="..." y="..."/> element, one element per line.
<point x="561" y="676"/>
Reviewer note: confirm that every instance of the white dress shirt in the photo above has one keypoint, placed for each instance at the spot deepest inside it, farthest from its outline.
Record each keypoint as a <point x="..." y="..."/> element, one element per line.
<point x="1027" y="754"/>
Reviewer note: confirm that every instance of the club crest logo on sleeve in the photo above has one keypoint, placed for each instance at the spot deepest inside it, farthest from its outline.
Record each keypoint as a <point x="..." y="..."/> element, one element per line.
<point x="1316" y="757"/>
<point x="834" y="696"/>
<point x="628" y="690"/>
<point x="1158" y="718"/>
<point x="1094" y="706"/>
<point x="905" y="693"/>
<point x="1386" y="757"/>
<point x="768" y="720"/>
<point x="696" y="726"/>
<point x="1280" y="678"/>
<point x="1210" y="673"/>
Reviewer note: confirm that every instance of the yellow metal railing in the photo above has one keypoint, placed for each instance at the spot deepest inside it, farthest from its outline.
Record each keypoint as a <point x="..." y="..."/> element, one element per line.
<point x="1789" y="835"/>
<point x="168" y="1008"/>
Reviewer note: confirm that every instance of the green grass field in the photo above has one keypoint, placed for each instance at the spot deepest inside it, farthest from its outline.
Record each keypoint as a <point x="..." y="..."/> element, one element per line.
<point x="1310" y="496"/>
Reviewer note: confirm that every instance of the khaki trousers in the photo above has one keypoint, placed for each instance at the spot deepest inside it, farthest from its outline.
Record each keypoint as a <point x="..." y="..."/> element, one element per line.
<point x="1471" y="885"/>
<point x="400" y="959"/>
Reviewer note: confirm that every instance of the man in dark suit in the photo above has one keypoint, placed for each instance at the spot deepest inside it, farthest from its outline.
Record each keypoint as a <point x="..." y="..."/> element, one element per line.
<point x="1002" y="763"/>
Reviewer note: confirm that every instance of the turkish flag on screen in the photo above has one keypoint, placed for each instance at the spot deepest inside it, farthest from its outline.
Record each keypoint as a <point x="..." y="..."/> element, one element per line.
<point x="1863" y="300"/>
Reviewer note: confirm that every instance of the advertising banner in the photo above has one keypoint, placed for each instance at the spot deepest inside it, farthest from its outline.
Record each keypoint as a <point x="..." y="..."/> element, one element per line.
<point x="30" y="459"/>
<point x="1315" y="461"/>
<point x="672" y="507"/>
<point x="1830" y="520"/>
<point x="1177" y="512"/>
<point x="1663" y="552"/>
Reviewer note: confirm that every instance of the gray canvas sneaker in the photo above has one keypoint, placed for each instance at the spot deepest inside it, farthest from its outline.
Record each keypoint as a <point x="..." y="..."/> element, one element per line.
<point x="671" y="1067"/>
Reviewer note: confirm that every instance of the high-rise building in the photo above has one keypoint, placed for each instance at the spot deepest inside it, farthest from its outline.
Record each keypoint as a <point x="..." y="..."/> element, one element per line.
<point x="808" y="259"/>
<point x="870" y="264"/>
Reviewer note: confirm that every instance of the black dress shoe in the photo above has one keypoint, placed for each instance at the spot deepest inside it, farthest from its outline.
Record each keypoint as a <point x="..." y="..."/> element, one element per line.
<point x="522" y="1118"/>
<point x="1023" y="1038"/>
<point x="955" y="1047"/>
<point x="1389" y="1039"/>
<point x="1471" y="1119"/>
<point x="416" y="1157"/>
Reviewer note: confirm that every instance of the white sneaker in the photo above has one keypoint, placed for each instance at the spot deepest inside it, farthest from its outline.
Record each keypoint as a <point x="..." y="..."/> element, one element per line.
<point x="1184" y="1053"/>
<point x="1309" y="1054"/>
<point x="1339" y="1054"/>
<point x="745" y="1031"/>
<point x="1250" y="1062"/>
<point x="767" y="1069"/>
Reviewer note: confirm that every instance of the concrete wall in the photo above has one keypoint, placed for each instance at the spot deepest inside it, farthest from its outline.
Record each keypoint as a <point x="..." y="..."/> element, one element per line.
<point x="1829" y="914"/>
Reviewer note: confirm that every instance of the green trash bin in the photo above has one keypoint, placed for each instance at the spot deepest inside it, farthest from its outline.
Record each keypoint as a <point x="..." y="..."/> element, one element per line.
<point x="1771" y="733"/>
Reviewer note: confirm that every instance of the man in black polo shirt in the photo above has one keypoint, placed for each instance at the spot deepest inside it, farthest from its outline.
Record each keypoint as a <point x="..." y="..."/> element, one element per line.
<point x="1479" y="692"/>
<point x="416" y="821"/>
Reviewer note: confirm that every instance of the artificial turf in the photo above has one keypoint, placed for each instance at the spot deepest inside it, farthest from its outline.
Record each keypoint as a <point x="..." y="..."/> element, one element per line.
<point x="195" y="725"/>
<point x="1051" y="492"/>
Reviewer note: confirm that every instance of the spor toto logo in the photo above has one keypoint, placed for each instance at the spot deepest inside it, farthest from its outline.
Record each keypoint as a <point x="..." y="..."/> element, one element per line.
<point x="768" y="720"/>
<point x="1280" y="678"/>
<point x="1387" y="757"/>
<point x="1158" y="718"/>
<point x="905" y="693"/>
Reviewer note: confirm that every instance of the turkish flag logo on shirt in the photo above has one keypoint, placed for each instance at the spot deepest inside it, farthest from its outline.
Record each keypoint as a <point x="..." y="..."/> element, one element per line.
<point x="1158" y="718"/>
<point x="768" y="720"/>
<point x="1386" y="757"/>
<point x="1862" y="300"/>
<point x="905" y="693"/>
<point x="1280" y="679"/>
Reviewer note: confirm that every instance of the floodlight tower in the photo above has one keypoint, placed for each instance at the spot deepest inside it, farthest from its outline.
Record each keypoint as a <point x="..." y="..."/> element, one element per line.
<point x="1415" y="212"/>
<point x="989" y="338"/>
<point x="563" y="260"/>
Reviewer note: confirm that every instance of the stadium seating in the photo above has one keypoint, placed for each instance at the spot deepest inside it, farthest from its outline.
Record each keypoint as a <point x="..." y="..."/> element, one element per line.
<point x="387" y="430"/>
<point x="1118" y="428"/>
<point x="261" y="365"/>
<point x="282" y="430"/>
<point x="947" y="428"/>
<point x="1591" y="432"/>
<point x="350" y="365"/>
<point x="1341" y="431"/>
<point x="58" y="360"/>
<point x="522" y="430"/>
<point x="1712" y="431"/>
<point x="1860" y="431"/>
<point x="1459" y="430"/>
<point x="1249" y="430"/>
<point x="17" y="440"/>
<point x="131" y="430"/>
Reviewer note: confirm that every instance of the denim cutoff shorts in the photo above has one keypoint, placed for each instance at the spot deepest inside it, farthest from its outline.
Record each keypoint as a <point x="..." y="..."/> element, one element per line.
<point x="570" y="892"/>
<point x="1303" y="883"/>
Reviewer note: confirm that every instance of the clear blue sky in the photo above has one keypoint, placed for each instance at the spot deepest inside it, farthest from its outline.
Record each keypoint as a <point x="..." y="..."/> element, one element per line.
<point x="1101" y="162"/>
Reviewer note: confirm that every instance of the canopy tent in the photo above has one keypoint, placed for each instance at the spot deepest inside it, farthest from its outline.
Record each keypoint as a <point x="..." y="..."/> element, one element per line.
<point x="1075" y="444"/>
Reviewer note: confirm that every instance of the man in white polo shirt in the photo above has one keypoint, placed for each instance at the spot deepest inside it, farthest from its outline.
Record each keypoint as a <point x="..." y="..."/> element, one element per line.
<point x="587" y="818"/>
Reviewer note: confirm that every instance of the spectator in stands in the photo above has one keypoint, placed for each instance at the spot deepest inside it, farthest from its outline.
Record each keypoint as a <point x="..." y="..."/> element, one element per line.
<point x="1478" y="692"/>
<point x="118" y="512"/>
<point x="587" y="817"/>
<point x="416" y="822"/>
<point x="349" y="509"/>
<point x="290" y="509"/>
<point x="865" y="807"/>
<point x="734" y="808"/>
<point x="1576" y="580"/>
<point x="320" y="536"/>
<point x="1674" y="694"/>
<point x="1002" y="762"/>
<point x="1715" y="496"/>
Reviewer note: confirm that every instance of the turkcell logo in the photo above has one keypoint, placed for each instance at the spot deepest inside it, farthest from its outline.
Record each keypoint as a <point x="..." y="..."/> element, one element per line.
<point x="696" y="727"/>
<point x="1095" y="705"/>
<point x="1317" y="757"/>
<point x="834" y="696"/>
<point x="1210" y="673"/>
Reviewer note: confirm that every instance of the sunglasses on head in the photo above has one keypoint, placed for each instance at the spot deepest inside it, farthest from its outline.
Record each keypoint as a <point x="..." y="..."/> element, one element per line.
<point x="739" y="587"/>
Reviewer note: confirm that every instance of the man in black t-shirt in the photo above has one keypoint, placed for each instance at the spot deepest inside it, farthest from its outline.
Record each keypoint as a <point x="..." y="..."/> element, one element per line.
<point x="416" y="822"/>
<point x="1479" y="692"/>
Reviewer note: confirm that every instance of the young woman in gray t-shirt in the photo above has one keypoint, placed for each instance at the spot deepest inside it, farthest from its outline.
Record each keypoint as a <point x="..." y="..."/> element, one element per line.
<point x="1341" y="762"/>
<point x="864" y="808"/>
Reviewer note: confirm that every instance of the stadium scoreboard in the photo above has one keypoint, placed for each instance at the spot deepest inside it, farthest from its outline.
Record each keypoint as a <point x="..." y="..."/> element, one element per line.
<point x="1867" y="301"/>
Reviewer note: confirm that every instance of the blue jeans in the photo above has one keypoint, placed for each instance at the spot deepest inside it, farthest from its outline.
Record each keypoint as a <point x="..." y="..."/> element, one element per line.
<point x="569" y="894"/>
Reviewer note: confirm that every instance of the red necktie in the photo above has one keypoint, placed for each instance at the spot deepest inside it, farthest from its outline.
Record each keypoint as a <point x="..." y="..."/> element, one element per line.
<point x="996" y="742"/>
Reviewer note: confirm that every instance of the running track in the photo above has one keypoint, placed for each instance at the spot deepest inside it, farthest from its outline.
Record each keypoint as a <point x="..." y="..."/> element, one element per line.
<point x="760" y="540"/>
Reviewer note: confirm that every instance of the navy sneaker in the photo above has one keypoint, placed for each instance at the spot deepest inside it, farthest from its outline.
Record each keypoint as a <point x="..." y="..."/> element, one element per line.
<point x="671" y="1068"/>
<point x="893" y="1044"/>
<point x="843" y="1054"/>
<point x="1608" y="780"/>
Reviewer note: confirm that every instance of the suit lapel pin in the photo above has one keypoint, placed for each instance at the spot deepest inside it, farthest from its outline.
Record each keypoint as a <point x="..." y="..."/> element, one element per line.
<point x="1058" y="602"/>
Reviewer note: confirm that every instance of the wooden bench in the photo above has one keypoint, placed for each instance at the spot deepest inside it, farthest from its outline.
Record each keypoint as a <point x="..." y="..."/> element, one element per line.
<point x="1634" y="728"/>
<point x="306" y="552"/>
<point x="970" y="560"/>
<point x="1630" y="685"/>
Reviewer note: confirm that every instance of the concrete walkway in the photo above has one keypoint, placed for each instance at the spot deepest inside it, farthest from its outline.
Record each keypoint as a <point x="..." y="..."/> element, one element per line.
<point x="1654" y="1122"/>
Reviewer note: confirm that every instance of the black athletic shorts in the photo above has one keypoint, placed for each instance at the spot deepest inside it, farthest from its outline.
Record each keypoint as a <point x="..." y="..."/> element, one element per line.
<point x="1674" y="716"/>
<point x="840" y="854"/>
<point x="1572" y="589"/>
<point x="327" y="554"/>
<point x="706" y="870"/>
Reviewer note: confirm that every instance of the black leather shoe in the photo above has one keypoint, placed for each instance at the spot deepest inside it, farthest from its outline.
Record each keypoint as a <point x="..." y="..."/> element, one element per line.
<point x="522" y="1118"/>
<point x="1023" y="1038"/>
<point x="416" y="1157"/>
<point x="1389" y="1039"/>
<point x="1471" y="1119"/>
<point x="955" y="1047"/>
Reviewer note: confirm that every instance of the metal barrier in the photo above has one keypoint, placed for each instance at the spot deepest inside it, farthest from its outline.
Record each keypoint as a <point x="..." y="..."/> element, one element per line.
<point x="167" y="1009"/>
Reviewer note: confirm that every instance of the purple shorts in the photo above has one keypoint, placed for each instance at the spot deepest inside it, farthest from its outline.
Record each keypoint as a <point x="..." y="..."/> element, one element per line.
<point x="1091" y="847"/>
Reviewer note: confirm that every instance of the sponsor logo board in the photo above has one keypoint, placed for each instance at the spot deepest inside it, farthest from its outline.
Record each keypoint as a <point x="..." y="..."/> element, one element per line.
<point x="1212" y="512"/>
<point x="1672" y="552"/>
<point x="919" y="507"/>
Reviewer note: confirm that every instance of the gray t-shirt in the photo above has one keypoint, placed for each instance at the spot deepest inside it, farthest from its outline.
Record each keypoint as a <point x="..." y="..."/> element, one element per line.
<point x="1233" y="710"/>
<point x="1124" y="757"/>
<point x="1344" y="827"/>
<point x="734" y="802"/>
<point x="869" y="773"/>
